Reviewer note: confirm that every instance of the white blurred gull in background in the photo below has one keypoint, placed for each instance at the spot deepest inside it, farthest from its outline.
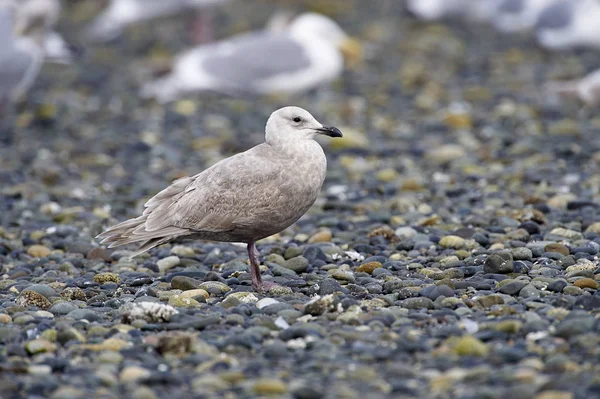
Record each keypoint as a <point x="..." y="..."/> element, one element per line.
<point x="20" y="59"/>
<point x="570" y="23"/>
<point x="122" y="13"/>
<point x="305" y="55"/>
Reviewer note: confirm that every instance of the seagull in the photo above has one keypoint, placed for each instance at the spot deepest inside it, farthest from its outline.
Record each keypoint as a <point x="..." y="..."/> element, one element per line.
<point x="123" y="13"/>
<point x="27" y="41"/>
<point x="305" y="55"/>
<point x="569" y="23"/>
<point x="244" y="198"/>
<point x="20" y="59"/>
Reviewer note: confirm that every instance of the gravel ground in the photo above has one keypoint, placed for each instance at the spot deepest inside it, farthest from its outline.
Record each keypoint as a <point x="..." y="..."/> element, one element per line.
<point x="453" y="252"/>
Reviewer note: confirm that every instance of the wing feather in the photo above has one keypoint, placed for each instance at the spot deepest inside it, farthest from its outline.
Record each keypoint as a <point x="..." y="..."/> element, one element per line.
<point x="214" y="201"/>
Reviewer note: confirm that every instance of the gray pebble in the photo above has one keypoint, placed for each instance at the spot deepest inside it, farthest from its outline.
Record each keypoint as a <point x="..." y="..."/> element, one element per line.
<point x="298" y="264"/>
<point x="501" y="262"/>
<point x="512" y="288"/>
<point x="62" y="308"/>
<point x="81" y="314"/>
<point x="42" y="289"/>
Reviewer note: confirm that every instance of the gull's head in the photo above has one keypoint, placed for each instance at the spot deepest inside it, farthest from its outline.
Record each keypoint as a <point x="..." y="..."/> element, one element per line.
<point x="293" y="124"/>
<point x="312" y="25"/>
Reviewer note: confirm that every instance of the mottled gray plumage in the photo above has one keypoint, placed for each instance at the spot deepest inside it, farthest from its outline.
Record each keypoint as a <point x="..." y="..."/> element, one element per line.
<point x="244" y="198"/>
<point x="556" y="16"/>
<point x="272" y="54"/>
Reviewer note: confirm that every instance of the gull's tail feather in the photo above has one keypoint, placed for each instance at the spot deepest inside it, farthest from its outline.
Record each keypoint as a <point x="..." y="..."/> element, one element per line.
<point x="134" y="231"/>
<point x="155" y="242"/>
<point x="118" y="230"/>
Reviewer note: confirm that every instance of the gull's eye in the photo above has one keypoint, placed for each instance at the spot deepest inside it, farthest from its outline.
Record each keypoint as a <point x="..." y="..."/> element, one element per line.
<point x="297" y="119"/>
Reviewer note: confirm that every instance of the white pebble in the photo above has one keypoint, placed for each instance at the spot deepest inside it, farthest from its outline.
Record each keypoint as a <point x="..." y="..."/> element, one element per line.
<point x="167" y="263"/>
<point x="266" y="302"/>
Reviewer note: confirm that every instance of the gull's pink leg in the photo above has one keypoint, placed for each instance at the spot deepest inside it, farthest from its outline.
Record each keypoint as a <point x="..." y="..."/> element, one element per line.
<point x="257" y="282"/>
<point x="254" y="266"/>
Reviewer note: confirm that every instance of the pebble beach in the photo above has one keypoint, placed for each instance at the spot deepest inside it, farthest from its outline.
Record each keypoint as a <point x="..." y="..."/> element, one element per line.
<point x="452" y="253"/>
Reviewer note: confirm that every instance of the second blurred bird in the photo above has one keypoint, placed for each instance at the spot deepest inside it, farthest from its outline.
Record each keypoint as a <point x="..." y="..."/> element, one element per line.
<point x="123" y="13"/>
<point x="306" y="54"/>
<point x="28" y="39"/>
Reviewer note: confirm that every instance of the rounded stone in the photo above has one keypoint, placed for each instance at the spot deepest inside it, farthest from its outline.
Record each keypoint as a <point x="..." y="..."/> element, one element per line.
<point x="36" y="346"/>
<point x="468" y="345"/>
<point x="558" y="248"/>
<point x="522" y="253"/>
<point x="102" y="278"/>
<point x="62" y="308"/>
<point x="369" y="267"/>
<point x="42" y="289"/>
<point x="572" y="290"/>
<point x="215" y="287"/>
<point x="452" y="241"/>
<point x="184" y="283"/>
<point x="321" y="236"/>
<point x="269" y="386"/>
<point x="38" y="251"/>
<point x="84" y="314"/>
<point x="168" y="263"/>
<point x="182" y="251"/>
<point x="31" y="298"/>
<point x="133" y="373"/>
<point x="299" y="264"/>
<point x="586" y="283"/>
<point x="198" y="292"/>
<point x="499" y="263"/>
<point x="512" y="287"/>
<point x="243" y="296"/>
<point x="179" y="302"/>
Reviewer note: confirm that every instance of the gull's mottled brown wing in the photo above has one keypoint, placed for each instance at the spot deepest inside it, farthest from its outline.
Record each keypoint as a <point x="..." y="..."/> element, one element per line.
<point x="233" y="192"/>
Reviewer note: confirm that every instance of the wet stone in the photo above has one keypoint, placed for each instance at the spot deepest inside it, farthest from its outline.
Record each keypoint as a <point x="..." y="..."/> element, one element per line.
<point x="184" y="283"/>
<point x="42" y="289"/>
<point x="436" y="291"/>
<point x="557" y="286"/>
<point x="512" y="288"/>
<point x="329" y="286"/>
<point x="499" y="263"/>
<point x="298" y="264"/>
<point x="62" y="308"/>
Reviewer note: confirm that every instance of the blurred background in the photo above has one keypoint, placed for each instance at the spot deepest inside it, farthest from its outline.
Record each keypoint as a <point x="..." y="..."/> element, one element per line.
<point x="446" y="88"/>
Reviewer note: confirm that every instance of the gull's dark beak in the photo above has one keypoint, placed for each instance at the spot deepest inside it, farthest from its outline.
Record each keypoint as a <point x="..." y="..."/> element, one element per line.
<point x="330" y="131"/>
